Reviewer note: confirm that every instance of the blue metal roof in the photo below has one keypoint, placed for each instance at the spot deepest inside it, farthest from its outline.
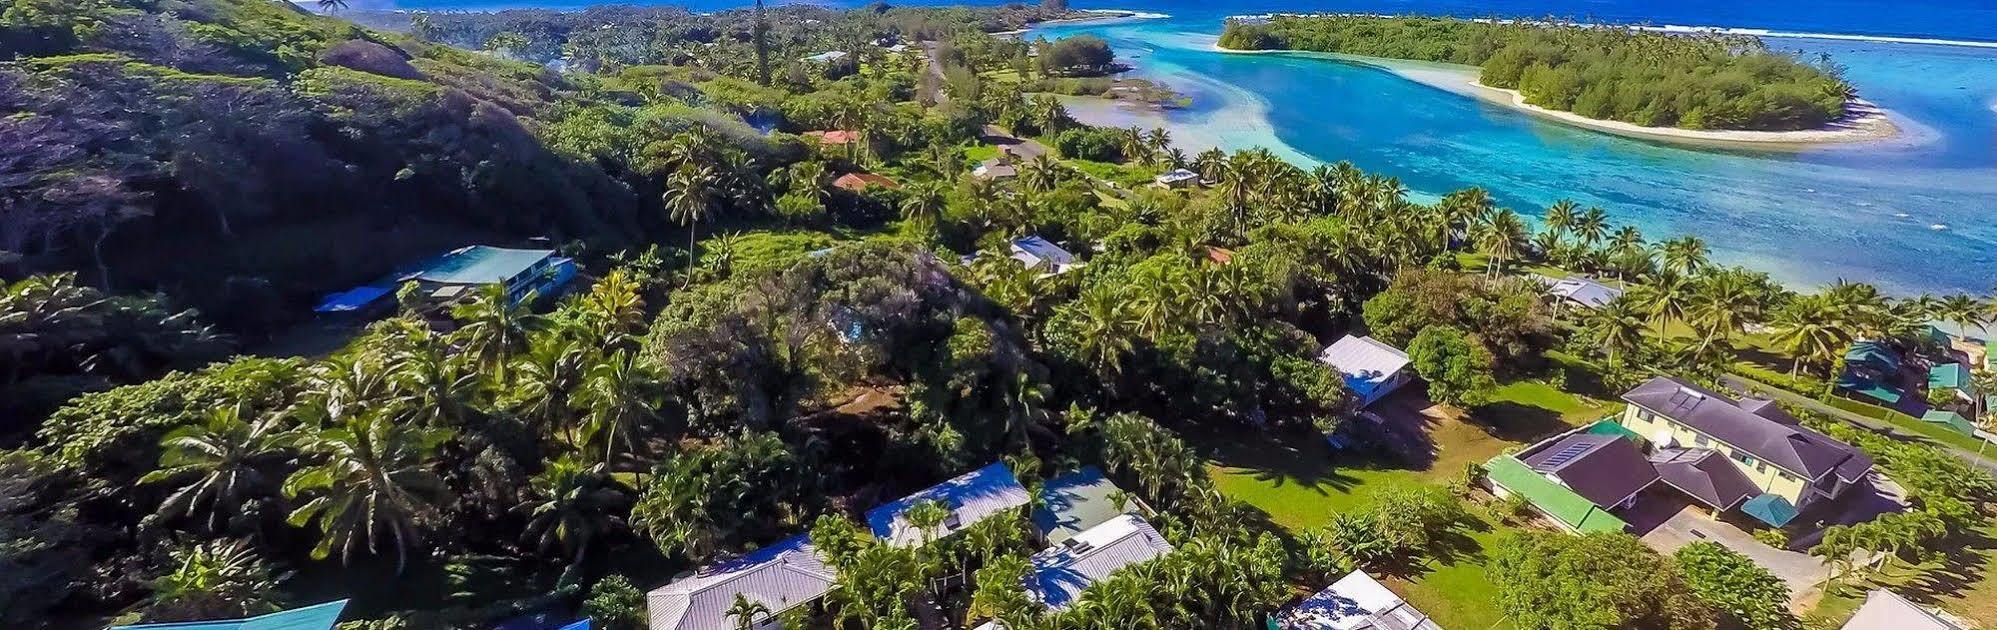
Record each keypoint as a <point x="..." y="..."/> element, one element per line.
<point x="969" y="497"/>
<point x="353" y="299"/>
<point x="319" y="617"/>
<point x="1770" y="509"/>
<point x="480" y="264"/>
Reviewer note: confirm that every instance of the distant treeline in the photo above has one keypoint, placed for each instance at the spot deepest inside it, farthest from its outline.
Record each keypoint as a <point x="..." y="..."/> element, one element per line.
<point x="1694" y="81"/>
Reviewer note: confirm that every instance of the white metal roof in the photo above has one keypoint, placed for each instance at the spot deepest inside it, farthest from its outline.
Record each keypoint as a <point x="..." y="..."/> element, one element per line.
<point x="780" y="577"/>
<point x="1061" y="572"/>
<point x="1355" y="602"/>
<point x="1585" y="292"/>
<point x="1886" y="610"/>
<point x="970" y="497"/>
<point x="1365" y="357"/>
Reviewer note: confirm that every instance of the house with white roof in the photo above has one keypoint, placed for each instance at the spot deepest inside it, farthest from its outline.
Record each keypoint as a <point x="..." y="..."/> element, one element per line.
<point x="1042" y="255"/>
<point x="1371" y="368"/>
<point x="781" y="577"/>
<point x="969" y="498"/>
<point x="825" y="57"/>
<point x="1354" y="602"/>
<point x="1886" y="610"/>
<point x="1062" y="572"/>
<point x="1578" y="291"/>
<point x="1177" y="178"/>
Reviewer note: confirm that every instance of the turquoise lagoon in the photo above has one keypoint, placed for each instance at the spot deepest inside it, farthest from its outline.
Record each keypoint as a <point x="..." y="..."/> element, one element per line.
<point x="1912" y="215"/>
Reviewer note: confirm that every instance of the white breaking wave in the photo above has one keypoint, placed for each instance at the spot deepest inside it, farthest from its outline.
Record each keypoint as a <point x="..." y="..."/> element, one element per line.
<point x="1676" y="28"/>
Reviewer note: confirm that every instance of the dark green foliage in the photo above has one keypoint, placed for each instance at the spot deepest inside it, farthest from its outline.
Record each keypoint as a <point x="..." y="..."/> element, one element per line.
<point x="716" y="499"/>
<point x="1706" y="81"/>
<point x="1592" y="582"/>
<point x="1508" y="316"/>
<point x="1744" y="595"/>
<point x="46" y="546"/>
<point x="1456" y="368"/>
<point x="116" y="433"/>
<point x="63" y="339"/>
<point x="1080" y="55"/>
<point x="615" y="604"/>
<point x="1092" y="143"/>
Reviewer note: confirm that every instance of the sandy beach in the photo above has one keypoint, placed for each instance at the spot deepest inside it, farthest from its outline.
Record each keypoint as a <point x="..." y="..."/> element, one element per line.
<point x="1101" y="15"/>
<point x="1865" y="122"/>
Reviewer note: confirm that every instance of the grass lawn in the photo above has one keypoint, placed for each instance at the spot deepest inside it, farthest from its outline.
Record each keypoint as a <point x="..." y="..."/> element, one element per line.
<point x="1299" y="483"/>
<point x="979" y="153"/>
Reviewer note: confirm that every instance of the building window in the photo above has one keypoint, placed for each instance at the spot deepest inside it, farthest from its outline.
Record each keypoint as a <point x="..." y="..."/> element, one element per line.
<point x="1702" y="441"/>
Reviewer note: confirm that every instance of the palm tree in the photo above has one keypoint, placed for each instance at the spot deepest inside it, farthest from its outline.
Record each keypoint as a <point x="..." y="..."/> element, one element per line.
<point x="372" y="488"/>
<point x="1962" y="310"/>
<point x="1685" y="254"/>
<point x="329" y="6"/>
<point x="1024" y="407"/>
<point x="220" y="460"/>
<point x="1042" y="174"/>
<point x="1501" y="238"/>
<point x="1560" y="216"/>
<point x="1723" y="304"/>
<point x="745" y="612"/>
<point x="219" y="578"/>
<point x="614" y="309"/>
<point x="1626" y="237"/>
<point x="1668" y="296"/>
<point x="574" y="504"/>
<point x="762" y="29"/>
<point x="689" y="199"/>
<point x="924" y="205"/>
<point x="1617" y="327"/>
<point x="435" y="385"/>
<point x="1592" y="226"/>
<point x="1159" y="140"/>
<point x="1102" y="330"/>
<point x="544" y="380"/>
<point x="1807" y="329"/>
<point x="620" y="393"/>
<point x="492" y="327"/>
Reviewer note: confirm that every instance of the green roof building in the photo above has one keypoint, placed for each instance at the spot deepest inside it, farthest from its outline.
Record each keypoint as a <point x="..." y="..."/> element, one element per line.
<point x="1510" y="476"/>
<point x="1951" y="376"/>
<point x="1950" y="419"/>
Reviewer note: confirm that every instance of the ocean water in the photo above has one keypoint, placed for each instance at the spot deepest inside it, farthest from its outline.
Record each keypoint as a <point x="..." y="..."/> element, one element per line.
<point x="1913" y="215"/>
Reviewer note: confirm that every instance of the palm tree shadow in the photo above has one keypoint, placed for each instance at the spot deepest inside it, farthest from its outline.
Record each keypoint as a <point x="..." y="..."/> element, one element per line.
<point x="1283" y="460"/>
<point x="1959" y="571"/>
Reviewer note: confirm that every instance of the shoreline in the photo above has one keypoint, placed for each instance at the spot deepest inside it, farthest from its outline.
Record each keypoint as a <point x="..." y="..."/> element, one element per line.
<point x="1864" y="122"/>
<point x="1101" y="15"/>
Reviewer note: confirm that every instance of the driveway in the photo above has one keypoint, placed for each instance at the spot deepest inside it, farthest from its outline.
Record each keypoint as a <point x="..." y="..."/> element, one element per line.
<point x="1802" y="571"/>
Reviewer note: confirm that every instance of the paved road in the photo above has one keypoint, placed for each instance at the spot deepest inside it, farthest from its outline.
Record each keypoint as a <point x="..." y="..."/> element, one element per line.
<point x="938" y="93"/>
<point x="1876" y="425"/>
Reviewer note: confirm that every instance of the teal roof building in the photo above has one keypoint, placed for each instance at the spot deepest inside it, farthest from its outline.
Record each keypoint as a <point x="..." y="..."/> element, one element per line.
<point x="319" y="617"/>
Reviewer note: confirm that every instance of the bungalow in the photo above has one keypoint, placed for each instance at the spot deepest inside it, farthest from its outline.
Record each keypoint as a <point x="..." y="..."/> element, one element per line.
<point x="1042" y="255"/>
<point x="780" y="577"/>
<point x="1078" y="501"/>
<point x="1354" y="602"/>
<point x="1062" y="572"/>
<point x="1583" y="292"/>
<point x="1952" y="420"/>
<point x="971" y="497"/>
<point x="835" y="137"/>
<point x="1785" y="466"/>
<point x="1955" y="377"/>
<point x="1372" y="369"/>
<point x="1885" y="610"/>
<point x="995" y="170"/>
<point x="857" y="182"/>
<point x="1872" y="369"/>
<point x="825" y="57"/>
<point x="1177" y="178"/>
<point x="315" y="617"/>
<point x="457" y="274"/>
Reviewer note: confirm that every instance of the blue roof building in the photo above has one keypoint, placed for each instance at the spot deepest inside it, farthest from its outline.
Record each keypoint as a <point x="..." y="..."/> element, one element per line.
<point x="319" y="617"/>
<point x="1072" y="503"/>
<point x="1062" y="572"/>
<point x="458" y="273"/>
<point x="1371" y="368"/>
<point x="970" y="497"/>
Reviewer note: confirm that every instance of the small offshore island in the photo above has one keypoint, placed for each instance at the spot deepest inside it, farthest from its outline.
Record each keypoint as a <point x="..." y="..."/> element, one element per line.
<point x="1706" y="88"/>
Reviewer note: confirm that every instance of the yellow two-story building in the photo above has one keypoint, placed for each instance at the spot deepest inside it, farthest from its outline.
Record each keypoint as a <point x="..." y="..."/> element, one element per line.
<point x="1746" y="454"/>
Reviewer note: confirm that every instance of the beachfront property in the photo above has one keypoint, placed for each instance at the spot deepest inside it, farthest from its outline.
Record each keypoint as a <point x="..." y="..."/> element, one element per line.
<point x="780" y="577"/>
<point x="1177" y="178"/>
<point x="1354" y="602"/>
<point x="1788" y="467"/>
<point x="1886" y="610"/>
<point x="457" y="275"/>
<point x="315" y="617"/>
<point x="1063" y="571"/>
<point x="1371" y="368"/>
<point x="968" y="498"/>
<point x="1583" y="292"/>
<point x="1042" y="255"/>
<point x="858" y="182"/>
<point x="1872" y="370"/>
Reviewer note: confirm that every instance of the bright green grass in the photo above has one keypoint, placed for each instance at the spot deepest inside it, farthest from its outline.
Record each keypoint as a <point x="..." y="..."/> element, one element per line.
<point x="980" y="152"/>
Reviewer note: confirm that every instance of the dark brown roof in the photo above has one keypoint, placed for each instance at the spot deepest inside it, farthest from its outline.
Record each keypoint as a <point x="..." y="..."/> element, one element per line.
<point x="1705" y="474"/>
<point x="1604" y="469"/>
<point x="1786" y="445"/>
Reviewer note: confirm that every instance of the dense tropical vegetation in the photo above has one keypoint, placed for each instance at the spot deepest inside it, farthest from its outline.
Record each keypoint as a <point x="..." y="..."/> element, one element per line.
<point x="755" y="353"/>
<point x="1607" y="72"/>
